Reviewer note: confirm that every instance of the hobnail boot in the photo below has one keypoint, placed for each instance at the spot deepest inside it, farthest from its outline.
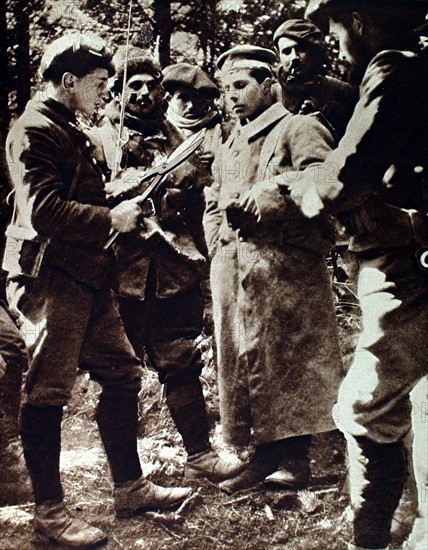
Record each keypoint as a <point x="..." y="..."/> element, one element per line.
<point x="53" y="522"/>
<point x="140" y="495"/>
<point x="292" y="474"/>
<point x="252" y="475"/>
<point x="210" y="466"/>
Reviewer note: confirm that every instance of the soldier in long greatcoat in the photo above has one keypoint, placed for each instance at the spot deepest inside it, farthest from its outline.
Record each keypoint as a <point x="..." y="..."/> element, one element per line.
<point x="279" y="362"/>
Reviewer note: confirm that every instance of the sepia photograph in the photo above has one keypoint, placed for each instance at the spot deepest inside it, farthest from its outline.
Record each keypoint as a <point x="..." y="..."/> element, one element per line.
<point x="214" y="274"/>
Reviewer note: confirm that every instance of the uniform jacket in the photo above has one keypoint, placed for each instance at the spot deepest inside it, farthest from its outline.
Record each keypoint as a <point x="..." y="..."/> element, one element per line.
<point x="174" y="244"/>
<point x="278" y="358"/>
<point x="330" y="96"/>
<point x="378" y="172"/>
<point x="59" y="195"/>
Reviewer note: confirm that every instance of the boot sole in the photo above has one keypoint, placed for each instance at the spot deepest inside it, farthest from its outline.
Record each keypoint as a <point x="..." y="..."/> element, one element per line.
<point x="43" y="539"/>
<point x="131" y="512"/>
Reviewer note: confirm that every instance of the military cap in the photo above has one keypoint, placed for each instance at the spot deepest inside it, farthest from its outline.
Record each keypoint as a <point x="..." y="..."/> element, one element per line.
<point x="300" y="30"/>
<point x="137" y="60"/>
<point x="76" y="53"/>
<point x="192" y="76"/>
<point x="410" y="14"/>
<point x="246" y="57"/>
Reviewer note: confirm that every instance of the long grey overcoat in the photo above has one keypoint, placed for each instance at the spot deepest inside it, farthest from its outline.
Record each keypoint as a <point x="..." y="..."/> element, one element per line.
<point x="279" y="364"/>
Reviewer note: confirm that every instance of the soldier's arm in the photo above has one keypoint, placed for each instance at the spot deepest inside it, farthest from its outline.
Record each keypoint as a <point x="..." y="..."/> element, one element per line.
<point x="354" y="171"/>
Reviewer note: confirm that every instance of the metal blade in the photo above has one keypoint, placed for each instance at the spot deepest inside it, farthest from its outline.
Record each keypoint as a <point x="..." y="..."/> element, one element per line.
<point x="183" y="152"/>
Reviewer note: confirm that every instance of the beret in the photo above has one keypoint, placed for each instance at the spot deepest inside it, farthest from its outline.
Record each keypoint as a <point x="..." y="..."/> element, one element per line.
<point x="76" y="53"/>
<point x="139" y="60"/>
<point x="246" y="57"/>
<point x="186" y="74"/>
<point x="300" y="30"/>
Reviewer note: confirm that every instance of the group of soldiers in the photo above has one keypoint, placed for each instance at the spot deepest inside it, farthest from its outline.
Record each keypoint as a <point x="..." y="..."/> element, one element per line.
<point x="234" y="237"/>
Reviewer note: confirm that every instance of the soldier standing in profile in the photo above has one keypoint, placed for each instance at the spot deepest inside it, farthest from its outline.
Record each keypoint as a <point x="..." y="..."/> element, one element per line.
<point x="378" y="177"/>
<point x="59" y="280"/>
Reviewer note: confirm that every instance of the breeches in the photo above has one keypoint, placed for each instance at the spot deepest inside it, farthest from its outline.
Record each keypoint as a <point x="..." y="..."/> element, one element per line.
<point x="79" y="327"/>
<point x="391" y="353"/>
<point x="166" y="330"/>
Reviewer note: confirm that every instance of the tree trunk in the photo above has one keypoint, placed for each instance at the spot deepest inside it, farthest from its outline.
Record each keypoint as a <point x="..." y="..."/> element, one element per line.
<point x="4" y="124"/>
<point x="23" y="68"/>
<point x="163" y="28"/>
<point x="4" y="81"/>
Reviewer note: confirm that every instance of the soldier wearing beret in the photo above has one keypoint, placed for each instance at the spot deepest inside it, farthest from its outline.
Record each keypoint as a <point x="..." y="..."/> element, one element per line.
<point x="279" y="364"/>
<point x="305" y="86"/>
<point x="378" y="178"/>
<point x="191" y="94"/>
<point x="160" y="268"/>
<point x="59" y="283"/>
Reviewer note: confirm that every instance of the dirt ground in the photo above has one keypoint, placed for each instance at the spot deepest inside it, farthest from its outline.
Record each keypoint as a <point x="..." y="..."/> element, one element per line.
<point x="258" y="519"/>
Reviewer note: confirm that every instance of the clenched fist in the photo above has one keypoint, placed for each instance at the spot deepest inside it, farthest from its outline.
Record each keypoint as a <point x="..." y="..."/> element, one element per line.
<point x="125" y="216"/>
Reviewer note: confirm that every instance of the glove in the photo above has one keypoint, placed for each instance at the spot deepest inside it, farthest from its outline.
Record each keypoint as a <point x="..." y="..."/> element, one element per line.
<point x="243" y="214"/>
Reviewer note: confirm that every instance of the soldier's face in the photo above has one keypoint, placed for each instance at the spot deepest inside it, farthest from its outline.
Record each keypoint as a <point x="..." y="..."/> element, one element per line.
<point x="298" y="59"/>
<point x="353" y="48"/>
<point x="90" y="92"/>
<point x="143" y="94"/>
<point x="244" y="95"/>
<point x="188" y="103"/>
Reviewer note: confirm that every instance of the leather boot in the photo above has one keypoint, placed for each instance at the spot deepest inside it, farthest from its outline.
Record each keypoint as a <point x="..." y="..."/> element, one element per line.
<point x="210" y="466"/>
<point x="294" y="471"/>
<point x="52" y="522"/>
<point x="379" y="471"/>
<point x="134" y="497"/>
<point x="117" y="419"/>
<point x="265" y="461"/>
<point x="292" y="474"/>
<point x="41" y="440"/>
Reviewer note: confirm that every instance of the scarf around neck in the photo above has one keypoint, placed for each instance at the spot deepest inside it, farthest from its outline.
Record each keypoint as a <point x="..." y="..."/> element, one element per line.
<point x="194" y="124"/>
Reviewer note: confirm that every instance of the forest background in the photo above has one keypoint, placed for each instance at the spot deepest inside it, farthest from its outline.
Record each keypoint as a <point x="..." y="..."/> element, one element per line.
<point x="191" y="31"/>
<point x="197" y="32"/>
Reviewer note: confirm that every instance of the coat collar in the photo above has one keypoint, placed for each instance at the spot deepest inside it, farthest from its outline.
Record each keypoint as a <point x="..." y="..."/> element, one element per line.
<point x="273" y="114"/>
